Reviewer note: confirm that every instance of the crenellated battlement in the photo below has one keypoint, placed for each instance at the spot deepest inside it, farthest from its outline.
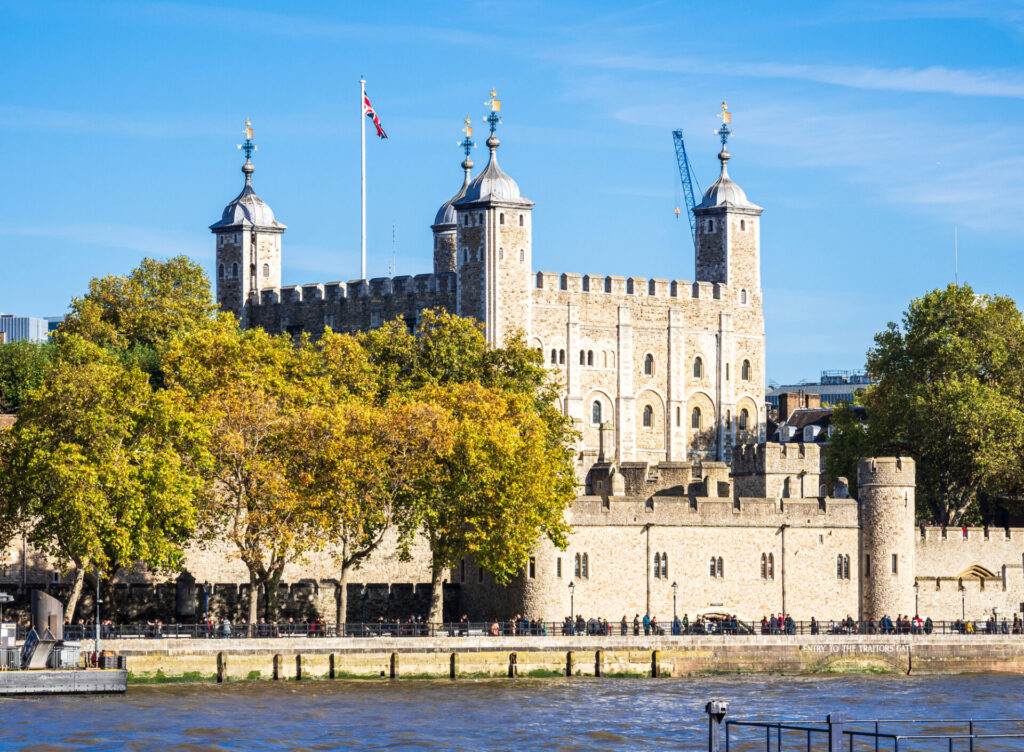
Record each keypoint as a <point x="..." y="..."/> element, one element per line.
<point x="640" y="287"/>
<point x="790" y="457"/>
<point x="685" y="510"/>
<point x="378" y="287"/>
<point x="956" y="535"/>
<point x="886" y="471"/>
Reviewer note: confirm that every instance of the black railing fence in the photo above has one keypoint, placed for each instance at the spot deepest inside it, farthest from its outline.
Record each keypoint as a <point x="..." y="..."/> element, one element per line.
<point x="581" y="627"/>
<point x="838" y="734"/>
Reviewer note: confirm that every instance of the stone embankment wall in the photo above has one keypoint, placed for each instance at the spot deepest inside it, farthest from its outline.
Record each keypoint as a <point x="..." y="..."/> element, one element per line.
<point x="505" y="656"/>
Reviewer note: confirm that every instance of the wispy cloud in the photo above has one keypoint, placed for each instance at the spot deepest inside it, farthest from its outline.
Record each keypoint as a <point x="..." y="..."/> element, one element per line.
<point x="143" y="240"/>
<point x="1008" y="83"/>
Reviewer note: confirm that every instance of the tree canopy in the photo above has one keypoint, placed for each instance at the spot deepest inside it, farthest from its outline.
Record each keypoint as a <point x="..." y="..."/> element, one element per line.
<point x="950" y="383"/>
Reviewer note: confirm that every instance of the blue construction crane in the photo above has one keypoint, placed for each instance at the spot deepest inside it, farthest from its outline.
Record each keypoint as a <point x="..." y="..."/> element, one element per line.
<point x="688" y="179"/>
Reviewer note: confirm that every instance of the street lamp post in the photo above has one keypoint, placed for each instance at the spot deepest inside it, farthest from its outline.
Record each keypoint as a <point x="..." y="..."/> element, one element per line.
<point x="675" y="589"/>
<point x="963" y="604"/>
<point x="917" y="611"/>
<point x="98" y="602"/>
<point x="572" y="608"/>
<point x="206" y="600"/>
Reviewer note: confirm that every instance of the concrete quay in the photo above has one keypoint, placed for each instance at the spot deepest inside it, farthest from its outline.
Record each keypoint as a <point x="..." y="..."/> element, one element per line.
<point x="453" y="657"/>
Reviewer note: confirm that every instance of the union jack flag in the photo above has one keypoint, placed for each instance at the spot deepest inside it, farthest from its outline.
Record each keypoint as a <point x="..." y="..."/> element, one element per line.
<point x="372" y="114"/>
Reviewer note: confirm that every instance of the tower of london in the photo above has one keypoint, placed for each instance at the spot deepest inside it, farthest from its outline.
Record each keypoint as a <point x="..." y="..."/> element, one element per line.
<point x="653" y="370"/>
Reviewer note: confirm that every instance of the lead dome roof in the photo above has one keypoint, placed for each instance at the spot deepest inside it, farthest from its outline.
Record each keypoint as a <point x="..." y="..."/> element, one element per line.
<point x="247" y="209"/>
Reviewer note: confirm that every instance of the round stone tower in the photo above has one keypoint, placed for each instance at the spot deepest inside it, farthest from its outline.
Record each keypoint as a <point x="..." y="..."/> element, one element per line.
<point x="886" y="489"/>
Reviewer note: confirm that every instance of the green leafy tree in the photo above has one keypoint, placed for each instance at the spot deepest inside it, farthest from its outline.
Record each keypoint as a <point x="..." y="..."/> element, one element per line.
<point x="505" y="476"/>
<point x="950" y="393"/>
<point x="23" y="365"/>
<point x="850" y="442"/>
<point x="136" y="313"/>
<point x="103" y="467"/>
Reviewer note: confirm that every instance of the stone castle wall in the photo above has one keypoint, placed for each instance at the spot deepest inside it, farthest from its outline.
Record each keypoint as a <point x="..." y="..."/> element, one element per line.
<point x="886" y="487"/>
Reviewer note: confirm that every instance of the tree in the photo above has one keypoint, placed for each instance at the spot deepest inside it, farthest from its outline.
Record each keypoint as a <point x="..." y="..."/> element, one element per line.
<point x="135" y="314"/>
<point x="495" y="489"/>
<point x="506" y="476"/>
<point x="261" y="398"/>
<point x="103" y="466"/>
<point x="949" y="393"/>
<point x="849" y="442"/>
<point x="23" y="365"/>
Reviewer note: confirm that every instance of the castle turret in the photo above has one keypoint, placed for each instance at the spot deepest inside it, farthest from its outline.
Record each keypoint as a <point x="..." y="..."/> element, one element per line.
<point x="886" y="488"/>
<point x="728" y="240"/>
<point x="444" y="227"/>
<point x="493" y="244"/>
<point x="248" y="243"/>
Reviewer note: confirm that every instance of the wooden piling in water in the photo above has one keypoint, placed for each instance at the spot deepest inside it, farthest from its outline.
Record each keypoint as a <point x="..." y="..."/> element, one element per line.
<point x="513" y="666"/>
<point x="394" y="665"/>
<point x="599" y="663"/>
<point x="570" y="664"/>
<point x="453" y="666"/>
<point x="331" y="666"/>
<point x="222" y="667"/>
<point x="298" y="667"/>
<point x="655" y="668"/>
<point x="277" y="667"/>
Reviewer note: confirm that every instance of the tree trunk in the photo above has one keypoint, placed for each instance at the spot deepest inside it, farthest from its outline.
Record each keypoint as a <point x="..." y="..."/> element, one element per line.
<point x="436" y="593"/>
<point x="254" y="599"/>
<point x="76" y="593"/>
<point x="342" y="615"/>
<point x="271" y="588"/>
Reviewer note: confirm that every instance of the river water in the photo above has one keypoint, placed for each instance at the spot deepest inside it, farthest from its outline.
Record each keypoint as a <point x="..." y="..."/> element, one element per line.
<point x="521" y="714"/>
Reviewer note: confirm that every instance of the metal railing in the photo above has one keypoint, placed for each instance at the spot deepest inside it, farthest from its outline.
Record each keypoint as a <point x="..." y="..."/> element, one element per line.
<point x="725" y="628"/>
<point x="837" y="733"/>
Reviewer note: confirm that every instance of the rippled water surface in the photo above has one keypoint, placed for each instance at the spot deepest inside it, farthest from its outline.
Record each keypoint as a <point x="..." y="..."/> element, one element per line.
<point x="522" y="714"/>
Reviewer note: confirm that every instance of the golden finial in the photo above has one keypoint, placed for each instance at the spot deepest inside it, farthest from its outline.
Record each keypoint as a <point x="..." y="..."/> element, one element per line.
<point x="725" y="114"/>
<point x="468" y="130"/>
<point x="247" y="128"/>
<point x="494" y="103"/>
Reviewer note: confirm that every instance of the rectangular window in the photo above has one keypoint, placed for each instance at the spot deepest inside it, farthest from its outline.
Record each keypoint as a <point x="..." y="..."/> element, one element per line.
<point x="533" y="567"/>
<point x="867" y="565"/>
<point x="895" y="563"/>
<point x="558" y="567"/>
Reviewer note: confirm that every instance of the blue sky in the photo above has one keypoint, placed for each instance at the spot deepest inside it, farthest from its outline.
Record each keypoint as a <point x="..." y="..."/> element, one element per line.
<point x="867" y="130"/>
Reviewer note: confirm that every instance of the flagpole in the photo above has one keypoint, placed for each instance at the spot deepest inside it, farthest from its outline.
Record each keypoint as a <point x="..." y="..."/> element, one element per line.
<point x="362" y="139"/>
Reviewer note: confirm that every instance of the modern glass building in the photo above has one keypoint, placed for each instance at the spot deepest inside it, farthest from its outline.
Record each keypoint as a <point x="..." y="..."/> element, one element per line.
<point x="23" y="327"/>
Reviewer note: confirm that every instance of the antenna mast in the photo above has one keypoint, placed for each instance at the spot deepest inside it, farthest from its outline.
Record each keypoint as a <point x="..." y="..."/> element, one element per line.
<point x="956" y="259"/>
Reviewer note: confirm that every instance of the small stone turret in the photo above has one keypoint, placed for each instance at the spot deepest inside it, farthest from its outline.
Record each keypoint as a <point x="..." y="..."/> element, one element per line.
<point x="886" y="488"/>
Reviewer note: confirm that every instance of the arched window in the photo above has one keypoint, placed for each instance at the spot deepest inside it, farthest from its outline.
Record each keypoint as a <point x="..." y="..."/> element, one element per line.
<point x="465" y="255"/>
<point x="501" y="254"/>
<point x="743" y="224"/>
<point x="585" y="572"/>
<point x="561" y="357"/>
<point x="744" y="418"/>
<point x="576" y="569"/>
<point x="657" y="565"/>
<point x="679" y="416"/>
<point x="743" y="297"/>
<point x="846" y="567"/>
<point x="266" y="271"/>
<point x="695" y="418"/>
<point x="652" y="287"/>
<point x="721" y="567"/>
<point x="745" y="370"/>
<point x="521" y="219"/>
<point x="728" y="420"/>
<point x="522" y="254"/>
<point x="664" y="566"/>
<point x="764" y="566"/>
<point x="711" y="225"/>
<point x="786" y="489"/>
<point x="771" y="566"/>
<point x="234" y="270"/>
<point x="554" y="357"/>
<point x="220" y="272"/>
<point x="698" y="368"/>
<point x="590" y="357"/>
<point x="648" y="416"/>
<point x="713" y="567"/>
<point x="595" y="413"/>
<point x="501" y="218"/>
<point x="839" y="567"/>
<point x="649" y="365"/>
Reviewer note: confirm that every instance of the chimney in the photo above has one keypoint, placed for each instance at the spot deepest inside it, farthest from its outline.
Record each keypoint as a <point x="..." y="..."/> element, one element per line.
<point x="790" y="401"/>
<point x="812" y="401"/>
